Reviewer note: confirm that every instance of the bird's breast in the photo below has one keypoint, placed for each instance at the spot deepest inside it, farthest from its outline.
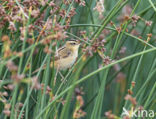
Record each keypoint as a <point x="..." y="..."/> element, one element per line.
<point x="65" y="63"/>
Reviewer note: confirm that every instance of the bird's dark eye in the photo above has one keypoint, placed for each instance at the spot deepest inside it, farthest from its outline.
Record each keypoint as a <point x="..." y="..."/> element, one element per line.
<point x="73" y="43"/>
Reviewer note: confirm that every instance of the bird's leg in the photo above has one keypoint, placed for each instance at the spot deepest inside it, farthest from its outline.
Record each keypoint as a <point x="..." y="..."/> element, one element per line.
<point x="62" y="79"/>
<point x="57" y="70"/>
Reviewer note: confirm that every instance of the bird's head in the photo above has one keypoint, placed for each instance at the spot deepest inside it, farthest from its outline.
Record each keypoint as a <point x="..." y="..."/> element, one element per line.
<point x="73" y="45"/>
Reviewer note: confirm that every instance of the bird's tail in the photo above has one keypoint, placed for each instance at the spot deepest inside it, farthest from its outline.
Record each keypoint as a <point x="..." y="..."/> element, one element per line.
<point x="39" y="69"/>
<point x="51" y="65"/>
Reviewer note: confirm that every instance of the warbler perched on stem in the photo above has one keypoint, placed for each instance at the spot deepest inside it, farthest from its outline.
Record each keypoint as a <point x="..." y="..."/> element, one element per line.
<point x="65" y="56"/>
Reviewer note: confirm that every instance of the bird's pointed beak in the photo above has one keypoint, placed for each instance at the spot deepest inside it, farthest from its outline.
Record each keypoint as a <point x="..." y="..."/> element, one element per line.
<point x="78" y="42"/>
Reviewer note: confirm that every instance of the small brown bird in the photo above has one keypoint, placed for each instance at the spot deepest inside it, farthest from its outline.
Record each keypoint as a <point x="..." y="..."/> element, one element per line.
<point x="65" y="56"/>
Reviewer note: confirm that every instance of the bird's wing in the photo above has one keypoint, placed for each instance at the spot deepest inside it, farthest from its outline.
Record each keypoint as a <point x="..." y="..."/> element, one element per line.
<point x="62" y="53"/>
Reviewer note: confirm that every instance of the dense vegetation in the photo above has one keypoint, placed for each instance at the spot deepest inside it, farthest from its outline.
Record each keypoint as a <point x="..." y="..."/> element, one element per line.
<point x="116" y="66"/>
